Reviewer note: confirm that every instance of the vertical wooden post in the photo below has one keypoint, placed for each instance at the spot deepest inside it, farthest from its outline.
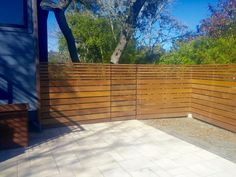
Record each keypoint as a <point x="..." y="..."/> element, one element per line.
<point x="136" y="75"/>
<point x="110" y="70"/>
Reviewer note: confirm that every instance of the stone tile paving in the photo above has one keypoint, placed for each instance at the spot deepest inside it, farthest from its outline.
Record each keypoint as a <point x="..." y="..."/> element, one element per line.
<point x="115" y="149"/>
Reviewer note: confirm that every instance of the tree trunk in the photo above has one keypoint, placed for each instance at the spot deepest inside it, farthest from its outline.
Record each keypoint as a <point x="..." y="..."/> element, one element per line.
<point x="119" y="49"/>
<point x="66" y="31"/>
<point x="59" y="11"/>
<point x="42" y="33"/>
<point x="112" y="28"/>
<point x="128" y="28"/>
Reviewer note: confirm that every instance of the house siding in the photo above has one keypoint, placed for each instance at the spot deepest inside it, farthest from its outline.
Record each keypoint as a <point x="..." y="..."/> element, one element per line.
<point x="18" y="59"/>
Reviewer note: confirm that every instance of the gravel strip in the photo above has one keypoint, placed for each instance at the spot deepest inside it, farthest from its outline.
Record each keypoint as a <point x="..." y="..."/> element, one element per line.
<point x="204" y="135"/>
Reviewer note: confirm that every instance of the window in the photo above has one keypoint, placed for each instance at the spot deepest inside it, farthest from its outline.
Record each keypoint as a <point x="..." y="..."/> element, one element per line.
<point x="13" y="13"/>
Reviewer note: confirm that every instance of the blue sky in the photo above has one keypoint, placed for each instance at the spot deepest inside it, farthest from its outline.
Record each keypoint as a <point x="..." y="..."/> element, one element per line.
<point x="189" y="12"/>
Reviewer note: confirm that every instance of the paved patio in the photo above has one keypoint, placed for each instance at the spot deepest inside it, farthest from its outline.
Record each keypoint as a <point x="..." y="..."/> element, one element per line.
<point x="118" y="149"/>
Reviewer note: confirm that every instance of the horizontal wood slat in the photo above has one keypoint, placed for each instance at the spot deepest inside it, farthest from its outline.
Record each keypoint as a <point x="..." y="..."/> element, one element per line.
<point x="158" y="86"/>
<point x="214" y="95"/>
<point x="123" y="89"/>
<point x="73" y="93"/>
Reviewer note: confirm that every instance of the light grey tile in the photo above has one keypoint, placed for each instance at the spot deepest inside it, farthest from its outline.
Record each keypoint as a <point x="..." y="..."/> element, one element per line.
<point x="88" y="172"/>
<point x="118" y="172"/>
<point x="135" y="164"/>
<point x="143" y="173"/>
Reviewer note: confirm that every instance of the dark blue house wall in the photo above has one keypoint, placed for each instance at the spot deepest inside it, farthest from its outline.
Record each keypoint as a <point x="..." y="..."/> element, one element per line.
<point x="18" y="59"/>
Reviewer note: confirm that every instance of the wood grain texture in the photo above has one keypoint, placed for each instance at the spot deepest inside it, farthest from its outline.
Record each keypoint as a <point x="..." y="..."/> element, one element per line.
<point x="214" y="95"/>
<point x="72" y="93"/>
<point x="13" y="126"/>
<point x="163" y="91"/>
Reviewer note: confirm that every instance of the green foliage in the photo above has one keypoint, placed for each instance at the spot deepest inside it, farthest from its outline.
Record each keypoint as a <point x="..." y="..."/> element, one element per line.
<point x="97" y="36"/>
<point x="203" y="50"/>
<point x="96" y="39"/>
<point x="149" y="56"/>
<point x="58" y="57"/>
<point x="216" y="40"/>
<point x="130" y="53"/>
<point x="222" y="21"/>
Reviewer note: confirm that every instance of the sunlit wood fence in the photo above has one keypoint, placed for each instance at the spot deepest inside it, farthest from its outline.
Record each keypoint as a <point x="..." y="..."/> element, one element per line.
<point x="214" y="94"/>
<point x="84" y="93"/>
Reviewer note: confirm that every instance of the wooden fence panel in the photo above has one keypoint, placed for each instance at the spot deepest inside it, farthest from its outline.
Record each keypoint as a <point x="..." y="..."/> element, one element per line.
<point x="72" y="93"/>
<point x="123" y="92"/>
<point x="214" y="95"/>
<point x="163" y="91"/>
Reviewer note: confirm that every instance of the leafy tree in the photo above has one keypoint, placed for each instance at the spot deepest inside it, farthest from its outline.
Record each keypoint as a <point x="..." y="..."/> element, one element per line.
<point x="93" y="35"/>
<point x="144" y="55"/>
<point x="214" y="43"/>
<point x="59" y="11"/>
<point x="95" y="38"/>
<point x="133" y="16"/>
<point x="140" y="17"/>
<point x="58" y="57"/>
<point x="203" y="50"/>
<point x="222" y="21"/>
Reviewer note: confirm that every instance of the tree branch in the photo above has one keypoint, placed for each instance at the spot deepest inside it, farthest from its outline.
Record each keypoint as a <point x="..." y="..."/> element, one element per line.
<point x="59" y="11"/>
<point x="51" y="6"/>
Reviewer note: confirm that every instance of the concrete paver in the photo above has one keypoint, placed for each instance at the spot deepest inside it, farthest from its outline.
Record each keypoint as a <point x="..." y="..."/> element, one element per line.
<point x="113" y="149"/>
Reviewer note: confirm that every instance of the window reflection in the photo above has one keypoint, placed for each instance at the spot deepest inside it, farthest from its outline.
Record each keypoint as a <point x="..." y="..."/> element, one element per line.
<point x="13" y="13"/>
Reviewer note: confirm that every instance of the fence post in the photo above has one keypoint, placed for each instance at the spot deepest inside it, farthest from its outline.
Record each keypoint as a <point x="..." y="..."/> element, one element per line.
<point x="110" y="69"/>
<point x="136" y="96"/>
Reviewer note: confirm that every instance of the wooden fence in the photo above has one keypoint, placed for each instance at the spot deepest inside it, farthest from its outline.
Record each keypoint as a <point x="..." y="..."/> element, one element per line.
<point x="214" y="95"/>
<point x="163" y="91"/>
<point x="97" y="93"/>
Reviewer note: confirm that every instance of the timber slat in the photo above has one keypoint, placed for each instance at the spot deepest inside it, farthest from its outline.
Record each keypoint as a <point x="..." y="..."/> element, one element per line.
<point x="214" y="122"/>
<point x="75" y="106"/>
<point x="70" y="101"/>
<point x="75" y="89"/>
<point x="215" y="111"/>
<point x="216" y="117"/>
<point x="217" y="105"/>
<point x="162" y="110"/>
<point x="73" y="93"/>
<point x="161" y="115"/>
<point x="76" y="116"/>
<point x="224" y="101"/>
